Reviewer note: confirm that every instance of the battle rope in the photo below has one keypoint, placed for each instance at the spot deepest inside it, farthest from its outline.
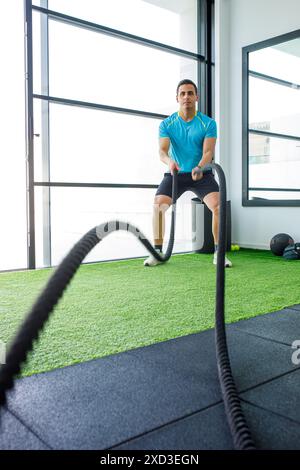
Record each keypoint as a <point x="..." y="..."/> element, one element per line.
<point x="35" y="321"/>
<point x="238" y="426"/>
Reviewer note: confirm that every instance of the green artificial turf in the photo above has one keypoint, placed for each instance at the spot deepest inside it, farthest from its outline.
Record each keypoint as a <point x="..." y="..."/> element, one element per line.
<point x="118" y="306"/>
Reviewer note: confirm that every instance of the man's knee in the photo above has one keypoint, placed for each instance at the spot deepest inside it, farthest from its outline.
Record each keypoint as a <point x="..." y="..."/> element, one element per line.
<point x="162" y="203"/>
<point x="212" y="201"/>
<point x="215" y="209"/>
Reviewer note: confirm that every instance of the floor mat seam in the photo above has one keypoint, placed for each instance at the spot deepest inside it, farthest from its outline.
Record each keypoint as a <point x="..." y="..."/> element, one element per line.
<point x="295" y="421"/>
<point x="32" y="431"/>
<point x="174" y="421"/>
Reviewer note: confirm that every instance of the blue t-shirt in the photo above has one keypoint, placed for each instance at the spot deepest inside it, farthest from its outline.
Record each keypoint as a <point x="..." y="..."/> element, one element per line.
<point x="186" y="138"/>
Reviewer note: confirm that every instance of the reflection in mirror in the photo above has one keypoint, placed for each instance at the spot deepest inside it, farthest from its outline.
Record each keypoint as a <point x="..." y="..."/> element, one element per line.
<point x="273" y="117"/>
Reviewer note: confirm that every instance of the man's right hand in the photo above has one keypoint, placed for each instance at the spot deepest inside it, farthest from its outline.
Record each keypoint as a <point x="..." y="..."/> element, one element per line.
<point x="173" y="166"/>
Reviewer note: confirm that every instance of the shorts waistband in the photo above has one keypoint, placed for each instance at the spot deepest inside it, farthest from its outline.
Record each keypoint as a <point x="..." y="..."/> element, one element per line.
<point x="185" y="173"/>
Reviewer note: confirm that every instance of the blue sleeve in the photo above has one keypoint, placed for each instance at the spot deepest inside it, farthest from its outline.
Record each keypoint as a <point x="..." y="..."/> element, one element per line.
<point x="163" y="130"/>
<point x="212" y="129"/>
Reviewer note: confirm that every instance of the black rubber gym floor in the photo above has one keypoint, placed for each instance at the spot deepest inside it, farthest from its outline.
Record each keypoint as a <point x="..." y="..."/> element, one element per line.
<point x="165" y="396"/>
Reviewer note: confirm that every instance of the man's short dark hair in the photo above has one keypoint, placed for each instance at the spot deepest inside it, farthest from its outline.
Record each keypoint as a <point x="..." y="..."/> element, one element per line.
<point x="186" y="81"/>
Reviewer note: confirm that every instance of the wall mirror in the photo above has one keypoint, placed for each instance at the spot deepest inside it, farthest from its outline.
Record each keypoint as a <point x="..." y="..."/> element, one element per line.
<point x="271" y="122"/>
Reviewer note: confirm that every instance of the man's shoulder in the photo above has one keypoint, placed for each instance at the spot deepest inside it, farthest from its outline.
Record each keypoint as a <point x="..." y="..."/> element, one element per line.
<point x="170" y="120"/>
<point x="203" y="117"/>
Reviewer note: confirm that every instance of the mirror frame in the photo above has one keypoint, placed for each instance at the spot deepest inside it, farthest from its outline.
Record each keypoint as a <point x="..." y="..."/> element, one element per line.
<point x="245" y="124"/>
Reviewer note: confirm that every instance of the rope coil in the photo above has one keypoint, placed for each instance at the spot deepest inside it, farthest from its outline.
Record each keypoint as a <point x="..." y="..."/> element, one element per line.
<point x="41" y="310"/>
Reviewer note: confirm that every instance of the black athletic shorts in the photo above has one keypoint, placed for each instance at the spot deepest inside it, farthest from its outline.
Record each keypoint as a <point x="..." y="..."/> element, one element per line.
<point x="201" y="188"/>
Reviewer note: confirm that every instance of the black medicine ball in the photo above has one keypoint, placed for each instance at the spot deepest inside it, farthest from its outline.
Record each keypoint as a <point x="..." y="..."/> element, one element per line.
<point x="279" y="242"/>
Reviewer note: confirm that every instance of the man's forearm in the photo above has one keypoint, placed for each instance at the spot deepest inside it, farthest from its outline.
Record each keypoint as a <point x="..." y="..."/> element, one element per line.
<point x="164" y="157"/>
<point x="206" y="159"/>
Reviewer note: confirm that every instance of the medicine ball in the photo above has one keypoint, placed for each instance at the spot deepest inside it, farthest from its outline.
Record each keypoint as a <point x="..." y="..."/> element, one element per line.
<point x="279" y="242"/>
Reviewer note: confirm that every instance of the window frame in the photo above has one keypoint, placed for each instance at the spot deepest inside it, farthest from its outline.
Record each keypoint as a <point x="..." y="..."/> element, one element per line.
<point x="204" y="56"/>
<point x="246" y="73"/>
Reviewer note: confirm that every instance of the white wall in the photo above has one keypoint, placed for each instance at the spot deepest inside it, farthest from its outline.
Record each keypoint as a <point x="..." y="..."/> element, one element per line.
<point x="238" y="24"/>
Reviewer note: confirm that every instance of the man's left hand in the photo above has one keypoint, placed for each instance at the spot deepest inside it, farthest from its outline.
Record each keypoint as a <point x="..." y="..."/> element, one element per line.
<point x="197" y="173"/>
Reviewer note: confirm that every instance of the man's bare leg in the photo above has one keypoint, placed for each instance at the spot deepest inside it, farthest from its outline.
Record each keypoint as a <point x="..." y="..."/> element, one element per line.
<point x="161" y="205"/>
<point x="212" y="200"/>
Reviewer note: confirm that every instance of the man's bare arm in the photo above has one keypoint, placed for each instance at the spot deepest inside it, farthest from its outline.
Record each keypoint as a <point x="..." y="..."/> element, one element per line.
<point x="207" y="156"/>
<point x="208" y="151"/>
<point x="164" y="145"/>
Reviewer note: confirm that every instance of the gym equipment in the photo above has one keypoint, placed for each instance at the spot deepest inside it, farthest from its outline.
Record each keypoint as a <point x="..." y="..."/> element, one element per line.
<point x="235" y="247"/>
<point x="202" y="239"/>
<point x="279" y="242"/>
<point x="35" y="321"/>
<point x="292" y="252"/>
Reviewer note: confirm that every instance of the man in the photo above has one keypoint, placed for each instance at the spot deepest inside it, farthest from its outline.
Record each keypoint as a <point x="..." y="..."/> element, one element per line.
<point x="187" y="142"/>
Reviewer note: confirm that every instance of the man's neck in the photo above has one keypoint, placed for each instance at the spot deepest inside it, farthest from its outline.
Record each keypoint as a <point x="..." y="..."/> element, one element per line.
<point x="187" y="115"/>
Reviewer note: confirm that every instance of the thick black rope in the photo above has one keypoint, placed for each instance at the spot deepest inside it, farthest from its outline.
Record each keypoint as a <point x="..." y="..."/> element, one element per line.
<point x="238" y="426"/>
<point x="39" y="314"/>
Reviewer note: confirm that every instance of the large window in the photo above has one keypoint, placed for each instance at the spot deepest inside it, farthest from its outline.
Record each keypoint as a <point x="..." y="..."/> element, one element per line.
<point x="166" y="21"/>
<point x="91" y="145"/>
<point x="271" y="122"/>
<point x="13" y="243"/>
<point x="101" y="77"/>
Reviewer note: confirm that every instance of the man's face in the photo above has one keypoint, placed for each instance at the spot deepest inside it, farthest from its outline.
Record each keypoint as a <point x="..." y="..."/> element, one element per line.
<point x="187" y="97"/>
